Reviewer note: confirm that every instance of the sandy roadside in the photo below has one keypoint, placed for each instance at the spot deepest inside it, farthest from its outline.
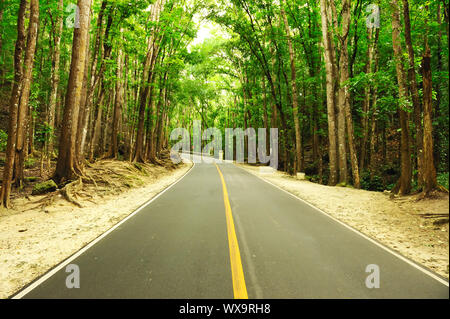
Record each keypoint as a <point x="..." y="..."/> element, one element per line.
<point x="35" y="240"/>
<point x="398" y="223"/>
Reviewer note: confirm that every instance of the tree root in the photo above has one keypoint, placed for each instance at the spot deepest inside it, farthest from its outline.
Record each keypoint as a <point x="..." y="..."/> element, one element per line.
<point x="69" y="190"/>
<point x="442" y="189"/>
<point x="90" y="179"/>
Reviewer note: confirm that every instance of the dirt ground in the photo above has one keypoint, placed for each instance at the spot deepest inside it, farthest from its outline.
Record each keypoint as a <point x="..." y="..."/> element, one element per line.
<point x="41" y="231"/>
<point x="417" y="229"/>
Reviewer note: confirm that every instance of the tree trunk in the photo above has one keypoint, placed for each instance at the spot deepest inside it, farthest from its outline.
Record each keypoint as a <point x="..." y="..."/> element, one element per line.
<point x="139" y="154"/>
<point x="95" y="135"/>
<point x="344" y="101"/>
<point x="25" y="92"/>
<point x="414" y="94"/>
<point x="436" y="135"/>
<point x="55" y="80"/>
<point x="298" y="137"/>
<point x="429" y="171"/>
<point x="2" y="8"/>
<point x="96" y="77"/>
<point x="67" y="167"/>
<point x="330" y="89"/>
<point x="14" y="107"/>
<point x="372" y="40"/>
<point x="117" y="104"/>
<point x="403" y="186"/>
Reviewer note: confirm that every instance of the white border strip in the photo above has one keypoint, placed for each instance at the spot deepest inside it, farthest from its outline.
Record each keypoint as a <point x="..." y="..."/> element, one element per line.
<point x="424" y="270"/>
<point x="49" y="274"/>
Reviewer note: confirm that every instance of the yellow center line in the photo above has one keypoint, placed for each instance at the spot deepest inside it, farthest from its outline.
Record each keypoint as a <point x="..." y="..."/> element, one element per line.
<point x="237" y="273"/>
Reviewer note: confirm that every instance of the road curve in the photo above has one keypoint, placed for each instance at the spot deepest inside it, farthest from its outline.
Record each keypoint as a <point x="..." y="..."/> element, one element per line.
<point x="178" y="247"/>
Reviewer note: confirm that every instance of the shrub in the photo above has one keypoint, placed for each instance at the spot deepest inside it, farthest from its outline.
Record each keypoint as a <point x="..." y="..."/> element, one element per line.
<point x="29" y="162"/>
<point x="374" y="183"/>
<point x="45" y="187"/>
<point x="442" y="179"/>
<point x="3" y="140"/>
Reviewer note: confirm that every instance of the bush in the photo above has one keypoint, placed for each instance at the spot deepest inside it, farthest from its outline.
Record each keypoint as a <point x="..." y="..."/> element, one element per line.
<point x="3" y="140"/>
<point x="45" y="187"/>
<point x="311" y="169"/>
<point x="374" y="183"/>
<point x="31" y="179"/>
<point x="29" y="162"/>
<point x="442" y="179"/>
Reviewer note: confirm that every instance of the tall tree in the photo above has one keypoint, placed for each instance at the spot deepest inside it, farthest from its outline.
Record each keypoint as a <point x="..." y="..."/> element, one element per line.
<point x="117" y="104"/>
<point x="67" y="167"/>
<point x="429" y="171"/>
<point x="14" y="106"/>
<point x="298" y="136"/>
<point x="417" y="107"/>
<point x="55" y="80"/>
<point x="403" y="186"/>
<point x="344" y="99"/>
<point x="330" y="89"/>
<point x="25" y="92"/>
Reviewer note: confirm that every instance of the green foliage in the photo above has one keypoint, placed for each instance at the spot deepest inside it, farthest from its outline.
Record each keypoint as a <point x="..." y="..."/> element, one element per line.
<point x="45" y="187"/>
<point x="43" y="133"/>
<point x="372" y="183"/>
<point x="443" y="180"/>
<point x="3" y="140"/>
<point x="30" y="162"/>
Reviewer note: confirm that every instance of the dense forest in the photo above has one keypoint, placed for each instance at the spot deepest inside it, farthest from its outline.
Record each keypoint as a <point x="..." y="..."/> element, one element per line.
<point x="358" y="89"/>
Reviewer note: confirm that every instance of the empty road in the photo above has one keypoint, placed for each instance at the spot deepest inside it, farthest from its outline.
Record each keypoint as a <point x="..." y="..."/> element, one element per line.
<point x="221" y="232"/>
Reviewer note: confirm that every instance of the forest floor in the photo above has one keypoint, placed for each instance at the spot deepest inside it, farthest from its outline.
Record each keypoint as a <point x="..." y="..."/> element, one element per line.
<point x="417" y="229"/>
<point x="41" y="231"/>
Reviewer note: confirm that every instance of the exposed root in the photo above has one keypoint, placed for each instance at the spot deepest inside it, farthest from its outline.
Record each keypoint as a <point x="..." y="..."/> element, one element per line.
<point x="69" y="190"/>
<point x="437" y="219"/>
<point x="431" y="215"/>
<point x="90" y="179"/>
<point x="44" y="202"/>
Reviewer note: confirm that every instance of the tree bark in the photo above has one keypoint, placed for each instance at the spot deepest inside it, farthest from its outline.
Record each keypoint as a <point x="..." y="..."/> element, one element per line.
<point x="14" y="107"/>
<point x="55" y="79"/>
<point x="403" y="186"/>
<point x="295" y="111"/>
<point x="96" y="77"/>
<point x="436" y="135"/>
<point x="25" y="92"/>
<point x="429" y="170"/>
<point x="330" y="89"/>
<point x="95" y="135"/>
<point x="2" y="8"/>
<point x="344" y="99"/>
<point x="147" y="76"/>
<point x="417" y="107"/>
<point x="117" y="104"/>
<point x="67" y="167"/>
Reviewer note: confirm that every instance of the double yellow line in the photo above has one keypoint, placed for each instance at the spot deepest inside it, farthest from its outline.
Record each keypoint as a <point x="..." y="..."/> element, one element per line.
<point x="237" y="273"/>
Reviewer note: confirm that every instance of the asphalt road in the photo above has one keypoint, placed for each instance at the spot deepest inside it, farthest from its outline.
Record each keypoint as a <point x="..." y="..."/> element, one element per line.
<point x="181" y="246"/>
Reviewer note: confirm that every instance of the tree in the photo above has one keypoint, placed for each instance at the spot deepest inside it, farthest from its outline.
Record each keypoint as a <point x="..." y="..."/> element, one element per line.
<point x="25" y="91"/>
<point x="67" y="167"/>
<point x="403" y="186"/>
<point x="298" y="137"/>
<point x="117" y="104"/>
<point x="429" y="170"/>
<point x="414" y="93"/>
<point x="14" y="106"/>
<point x="56" y="59"/>
<point x="328" y="49"/>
